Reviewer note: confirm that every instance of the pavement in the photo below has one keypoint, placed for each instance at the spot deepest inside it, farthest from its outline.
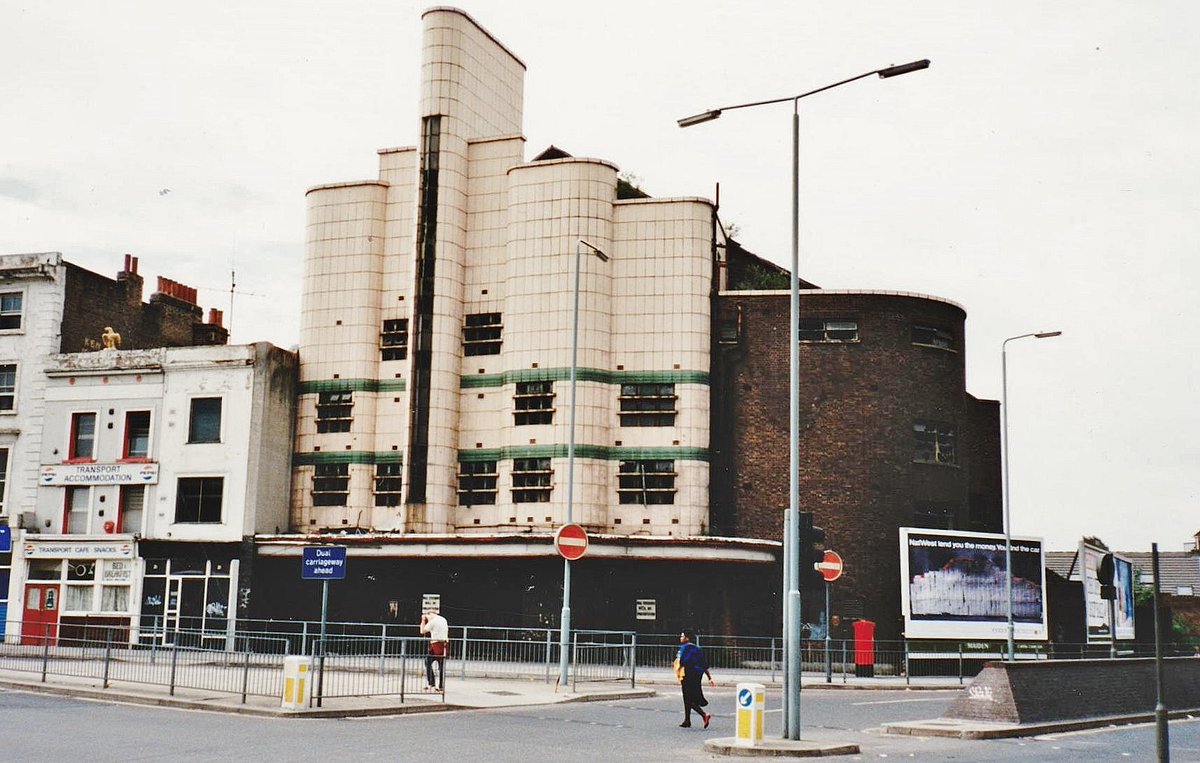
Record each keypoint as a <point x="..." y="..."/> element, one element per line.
<point x="471" y="693"/>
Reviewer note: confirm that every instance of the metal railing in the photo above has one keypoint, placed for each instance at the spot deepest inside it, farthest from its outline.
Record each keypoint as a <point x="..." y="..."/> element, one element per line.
<point x="388" y="660"/>
<point x="105" y="654"/>
<point x="603" y="656"/>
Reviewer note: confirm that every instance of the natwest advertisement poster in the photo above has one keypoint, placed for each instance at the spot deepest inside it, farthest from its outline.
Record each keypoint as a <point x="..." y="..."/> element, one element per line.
<point x="954" y="585"/>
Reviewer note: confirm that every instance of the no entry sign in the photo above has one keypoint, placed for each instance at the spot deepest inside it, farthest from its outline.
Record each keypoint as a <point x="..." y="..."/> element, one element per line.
<point x="830" y="566"/>
<point x="571" y="542"/>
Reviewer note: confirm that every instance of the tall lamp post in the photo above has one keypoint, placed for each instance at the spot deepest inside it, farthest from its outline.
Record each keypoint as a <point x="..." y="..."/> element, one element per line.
<point x="564" y="622"/>
<point x="791" y="524"/>
<point x="1004" y="454"/>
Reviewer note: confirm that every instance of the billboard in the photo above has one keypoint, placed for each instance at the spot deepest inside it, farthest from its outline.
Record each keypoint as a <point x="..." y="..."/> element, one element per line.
<point x="953" y="585"/>
<point x="1097" y="609"/>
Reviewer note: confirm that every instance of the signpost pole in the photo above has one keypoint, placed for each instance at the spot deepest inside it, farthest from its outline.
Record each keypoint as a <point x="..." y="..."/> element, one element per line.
<point x="324" y="617"/>
<point x="1112" y="629"/>
<point x="828" y="635"/>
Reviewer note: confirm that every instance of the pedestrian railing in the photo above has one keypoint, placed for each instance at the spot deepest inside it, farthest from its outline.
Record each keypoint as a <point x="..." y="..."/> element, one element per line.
<point x="388" y="660"/>
<point x="105" y="654"/>
<point x="361" y="666"/>
<point x="604" y="656"/>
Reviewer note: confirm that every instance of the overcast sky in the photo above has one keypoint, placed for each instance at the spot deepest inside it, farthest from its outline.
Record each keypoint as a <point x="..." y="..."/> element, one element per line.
<point x="1044" y="173"/>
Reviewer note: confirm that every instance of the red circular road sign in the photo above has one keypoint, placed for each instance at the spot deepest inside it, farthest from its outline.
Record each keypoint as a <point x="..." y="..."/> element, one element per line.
<point x="830" y="567"/>
<point x="571" y="541"/>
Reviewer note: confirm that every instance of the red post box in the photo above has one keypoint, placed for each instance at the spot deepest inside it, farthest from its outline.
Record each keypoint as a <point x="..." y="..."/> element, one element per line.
<point x="864" y="648"/>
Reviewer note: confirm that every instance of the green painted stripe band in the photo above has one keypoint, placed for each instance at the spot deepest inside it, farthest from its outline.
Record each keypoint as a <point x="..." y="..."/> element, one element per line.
<point x="315" y="386"/>
<point x="598" y="452"/>
<point x="597" y="375"/>
<point x="347" y="457"/>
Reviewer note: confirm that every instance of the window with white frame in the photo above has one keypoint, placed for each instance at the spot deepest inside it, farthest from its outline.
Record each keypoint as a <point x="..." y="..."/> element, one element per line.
<point x="828" y="331"/>
<point x="393" y="339"/>
<point x="647" y="405"/>
<point x="12" y="305"/>
<point x="331" y="484"/>
<point x="646" y="482"/>
<point x="482" y="334"/>
<point x="8" y="387"/>
<point x="335" y="412"/>
<point x="389" y="480"/>
<point x="477" y="483"/>
<point x="533" y="403"/>
<point x="532" y="480"/>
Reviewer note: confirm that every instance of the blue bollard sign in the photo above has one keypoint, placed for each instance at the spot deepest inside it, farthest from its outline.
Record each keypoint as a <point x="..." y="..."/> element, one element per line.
<point x="323" y="563"/>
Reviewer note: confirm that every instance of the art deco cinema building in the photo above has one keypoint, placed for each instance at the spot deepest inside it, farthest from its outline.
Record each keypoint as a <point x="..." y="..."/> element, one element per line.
<point x="437" y="339"/>
<point x="433" y="415"/>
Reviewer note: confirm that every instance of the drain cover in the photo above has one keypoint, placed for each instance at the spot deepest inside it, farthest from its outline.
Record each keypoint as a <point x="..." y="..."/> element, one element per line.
<point x="504" y="693"/>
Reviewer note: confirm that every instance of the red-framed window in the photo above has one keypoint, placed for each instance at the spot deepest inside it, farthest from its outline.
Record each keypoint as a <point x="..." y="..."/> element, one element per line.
<point x="131" y="509"/>
<point x="137" y="436"/>
<point x="83" y="437"/>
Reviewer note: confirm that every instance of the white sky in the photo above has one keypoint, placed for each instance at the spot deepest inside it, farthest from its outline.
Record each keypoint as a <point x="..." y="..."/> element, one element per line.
<point x="1044" y="173"/>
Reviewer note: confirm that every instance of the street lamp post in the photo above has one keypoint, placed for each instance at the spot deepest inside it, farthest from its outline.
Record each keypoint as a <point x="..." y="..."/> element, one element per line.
<point x="564" y="622"/>
<point x="1008" y="574"/>
<point x="791" y="524"/>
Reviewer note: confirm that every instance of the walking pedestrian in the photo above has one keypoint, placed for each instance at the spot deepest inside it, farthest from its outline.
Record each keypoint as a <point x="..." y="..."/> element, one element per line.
<point x="433" y="624"/>
<point x="692" y="667"/>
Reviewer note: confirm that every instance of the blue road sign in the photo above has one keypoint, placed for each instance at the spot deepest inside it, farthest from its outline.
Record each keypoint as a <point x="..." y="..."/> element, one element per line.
<point x="323" y="563"/>
<point x="745" y="697"/>
<point x="5" y="538"/>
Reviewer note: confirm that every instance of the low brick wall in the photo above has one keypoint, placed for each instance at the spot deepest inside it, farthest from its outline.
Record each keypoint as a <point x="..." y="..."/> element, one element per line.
<point x="1066" y="690"/>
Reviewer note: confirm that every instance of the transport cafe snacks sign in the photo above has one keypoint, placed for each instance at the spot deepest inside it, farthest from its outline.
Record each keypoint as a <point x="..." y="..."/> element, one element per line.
<point x="953" y="585"/>
<point x="99" y="474"/>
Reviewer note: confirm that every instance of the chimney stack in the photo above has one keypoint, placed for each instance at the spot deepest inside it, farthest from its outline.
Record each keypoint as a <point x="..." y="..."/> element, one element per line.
<point x="215" y="316"/>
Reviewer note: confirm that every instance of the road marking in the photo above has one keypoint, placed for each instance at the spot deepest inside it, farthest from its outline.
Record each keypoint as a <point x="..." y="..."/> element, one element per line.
<point x="1106" y="729"/>
<point x="898" y="701"/>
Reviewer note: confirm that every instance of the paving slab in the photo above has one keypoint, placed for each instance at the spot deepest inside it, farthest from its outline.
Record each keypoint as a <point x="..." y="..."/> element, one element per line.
<point x="463" y="694"/>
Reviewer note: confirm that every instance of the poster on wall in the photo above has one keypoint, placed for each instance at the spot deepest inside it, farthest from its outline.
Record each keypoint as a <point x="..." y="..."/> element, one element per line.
<point x="1096" y="608"/>
<point x="953" y="585"/>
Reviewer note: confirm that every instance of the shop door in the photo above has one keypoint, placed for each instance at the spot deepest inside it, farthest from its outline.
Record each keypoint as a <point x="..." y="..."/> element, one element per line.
<point x="184" y="610"/>
<point x="39" y="623"/>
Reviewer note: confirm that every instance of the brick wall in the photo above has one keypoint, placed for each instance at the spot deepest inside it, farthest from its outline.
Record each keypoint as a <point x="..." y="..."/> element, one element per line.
<point x="93" y="302"/>
<point x="1065" y="690"/>
<point x="858" y="402"/>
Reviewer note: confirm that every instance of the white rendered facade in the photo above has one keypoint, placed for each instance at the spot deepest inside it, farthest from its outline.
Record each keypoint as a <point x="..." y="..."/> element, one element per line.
<point x="151" y="460"/>
<point x="438" y="301"/>
<point x="30" y="336"/>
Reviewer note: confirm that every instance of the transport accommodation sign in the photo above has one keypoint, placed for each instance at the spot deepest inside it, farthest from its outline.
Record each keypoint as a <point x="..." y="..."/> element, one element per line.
<point x="99" y="474"/>
<point x="323" y="563"/>
<point x="571" y="542"/>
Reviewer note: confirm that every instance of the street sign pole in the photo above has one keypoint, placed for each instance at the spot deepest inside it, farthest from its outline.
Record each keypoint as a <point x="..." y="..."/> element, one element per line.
<point x="323" y="563"/>
<point x="828" y="635"/>
<point x="324" y="618"/>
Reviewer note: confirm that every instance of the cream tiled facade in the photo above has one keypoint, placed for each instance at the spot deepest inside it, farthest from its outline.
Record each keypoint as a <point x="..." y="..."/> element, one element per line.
<point x="436" y="294"/>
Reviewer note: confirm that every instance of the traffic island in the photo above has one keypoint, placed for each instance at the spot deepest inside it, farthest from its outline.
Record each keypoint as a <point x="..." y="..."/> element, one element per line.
<point x="779" y="748"/>
<point x="1015" y="699"/>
